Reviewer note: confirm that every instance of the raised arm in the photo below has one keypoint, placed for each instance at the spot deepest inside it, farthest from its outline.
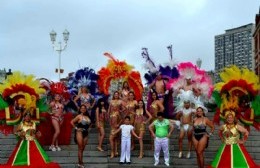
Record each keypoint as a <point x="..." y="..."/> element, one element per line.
<point x="151" y="85"/>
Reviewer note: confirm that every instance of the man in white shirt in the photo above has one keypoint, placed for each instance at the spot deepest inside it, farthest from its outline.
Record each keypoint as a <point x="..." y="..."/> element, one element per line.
<point x="126" y="130"/>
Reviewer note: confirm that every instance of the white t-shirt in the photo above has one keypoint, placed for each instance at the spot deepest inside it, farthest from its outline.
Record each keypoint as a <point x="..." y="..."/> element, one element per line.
<point x="126" y="131"/>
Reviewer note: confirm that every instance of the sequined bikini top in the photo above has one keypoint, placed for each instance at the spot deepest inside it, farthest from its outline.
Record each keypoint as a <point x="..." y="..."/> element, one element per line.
<point x="230" y="135"/>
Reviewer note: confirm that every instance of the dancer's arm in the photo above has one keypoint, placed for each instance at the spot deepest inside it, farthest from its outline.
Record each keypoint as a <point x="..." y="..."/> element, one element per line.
<point x="220" y="133"/>
<point x="75" y="120"/>
<point x="149" y="117"/>
<point x="75" y="101"/>
<point x="151" y="129"/>
<point x="171" y="130"/>
<point x="97" y="117"/>
<point x="133" y="132"/>
<point x="244" y="132"/>
<point x="159" y="103"/>
<point x="117" y="131"/>
<point x="211" y="125"/>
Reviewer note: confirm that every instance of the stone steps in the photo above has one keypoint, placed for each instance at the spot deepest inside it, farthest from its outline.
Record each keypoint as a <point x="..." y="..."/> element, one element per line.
<point x="67" y="158"/>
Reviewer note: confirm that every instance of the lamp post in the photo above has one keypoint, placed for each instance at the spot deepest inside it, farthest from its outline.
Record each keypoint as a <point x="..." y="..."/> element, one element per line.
<point x="58" y="47"/>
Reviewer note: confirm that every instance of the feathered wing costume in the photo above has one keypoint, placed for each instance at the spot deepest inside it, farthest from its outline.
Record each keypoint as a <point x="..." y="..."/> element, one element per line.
<point x="117" y="71"/>
<point x="168" y="71"/>
<point x="22" y="93"/>
<point x="201" y="85"/>
<point x="46" y="127"/>
<point x="241" y="86"/>
<point x="236" y="95"/>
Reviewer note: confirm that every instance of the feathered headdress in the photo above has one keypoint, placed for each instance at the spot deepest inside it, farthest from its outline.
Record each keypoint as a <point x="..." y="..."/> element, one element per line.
<point x="117" y="71"/>
<point x="200" y="79"/>
<point x="187" y="70"/>
<point x="60" y="89"/>
<point x="19" y="84"/>
<point x="169" y="71"/>
<point x="84" y="77"/>
<point x="19" y="92"/>
<point x="238" y="91"/>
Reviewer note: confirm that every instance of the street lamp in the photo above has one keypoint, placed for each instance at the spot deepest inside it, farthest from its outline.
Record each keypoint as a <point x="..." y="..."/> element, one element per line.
<point x="58" y="47"/>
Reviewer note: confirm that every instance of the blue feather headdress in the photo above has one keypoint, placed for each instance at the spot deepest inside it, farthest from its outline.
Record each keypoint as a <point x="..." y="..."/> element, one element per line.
<point x="83" y="77"/>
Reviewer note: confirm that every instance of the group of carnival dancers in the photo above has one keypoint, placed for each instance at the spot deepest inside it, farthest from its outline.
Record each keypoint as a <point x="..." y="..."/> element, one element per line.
<point x="113" y="97"/>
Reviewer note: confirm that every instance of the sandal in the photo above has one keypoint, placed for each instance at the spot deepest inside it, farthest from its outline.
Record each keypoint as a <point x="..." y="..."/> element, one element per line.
<point x="112" y="155"/>
<point x="52" y="148"/>
<point x="81" y="166"/>
<point x="141" y="155"/>
<point x="100" y="149"/>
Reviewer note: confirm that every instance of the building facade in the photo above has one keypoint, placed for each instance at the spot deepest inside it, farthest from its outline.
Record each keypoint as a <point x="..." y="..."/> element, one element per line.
<point x="234" y="47"/>
<point x="257" y="44"/>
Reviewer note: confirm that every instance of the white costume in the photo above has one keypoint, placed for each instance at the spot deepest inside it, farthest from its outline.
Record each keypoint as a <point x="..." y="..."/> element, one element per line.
<point x="125" y="142"/>
<point x="186" y="113"/>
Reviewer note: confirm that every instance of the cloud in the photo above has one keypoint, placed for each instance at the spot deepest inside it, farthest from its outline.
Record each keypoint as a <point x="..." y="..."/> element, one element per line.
<point x="120" y="27"/>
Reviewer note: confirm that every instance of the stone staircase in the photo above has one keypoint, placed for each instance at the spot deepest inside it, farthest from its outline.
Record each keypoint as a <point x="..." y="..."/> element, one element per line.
<point x="67" y="158"/>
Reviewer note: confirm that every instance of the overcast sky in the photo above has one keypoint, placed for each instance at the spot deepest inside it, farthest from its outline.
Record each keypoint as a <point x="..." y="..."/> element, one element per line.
<point x="121" y="27"/>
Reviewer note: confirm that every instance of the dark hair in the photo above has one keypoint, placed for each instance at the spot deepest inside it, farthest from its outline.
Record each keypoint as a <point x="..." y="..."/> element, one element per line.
<point x="202" y="111"/>
<point x="154" y="92"/>
<point x="144" y="110"/>
<point x="99" y="106"/>
<point x="132" y="93"/>
<point x="86" y="113"/>
<point x="127" y="117"/>
<point x="123" y="86"/>
<point x="113" y="98"/>
<point x="160" y="114"/>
